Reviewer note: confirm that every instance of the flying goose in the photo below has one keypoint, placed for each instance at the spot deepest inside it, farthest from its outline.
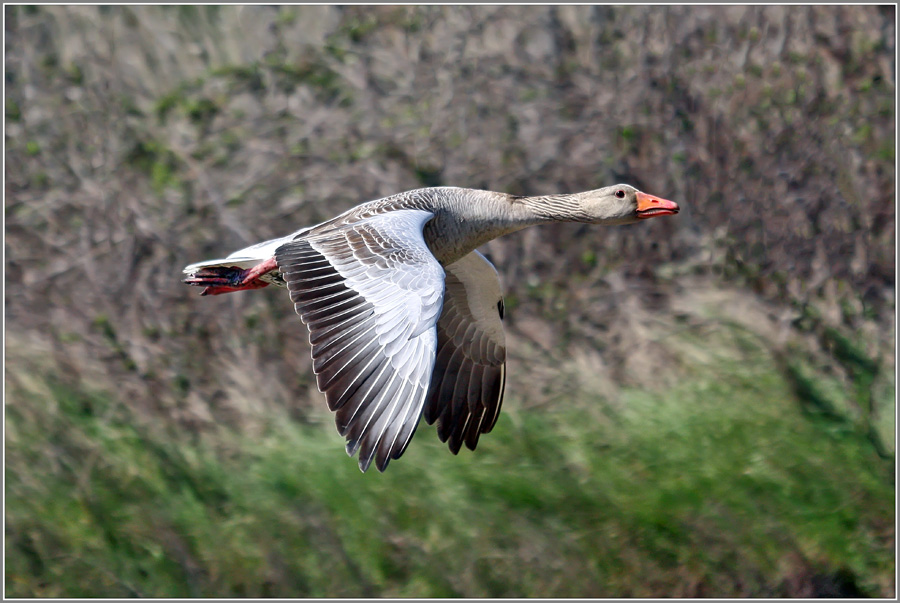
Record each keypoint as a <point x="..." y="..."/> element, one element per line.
<point x="404" y="316"/>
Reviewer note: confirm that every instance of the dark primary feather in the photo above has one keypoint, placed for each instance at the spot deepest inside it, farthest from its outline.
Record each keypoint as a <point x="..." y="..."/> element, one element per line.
<point x="467" y="385"/>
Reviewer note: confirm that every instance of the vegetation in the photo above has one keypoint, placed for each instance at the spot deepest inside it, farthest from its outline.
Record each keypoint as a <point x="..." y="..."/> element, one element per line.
<point x="721" y="485"/>
<point x="696" y="406"/>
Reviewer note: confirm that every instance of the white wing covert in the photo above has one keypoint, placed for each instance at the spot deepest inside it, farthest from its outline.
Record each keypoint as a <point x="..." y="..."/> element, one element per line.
<point x="370" y="293"/>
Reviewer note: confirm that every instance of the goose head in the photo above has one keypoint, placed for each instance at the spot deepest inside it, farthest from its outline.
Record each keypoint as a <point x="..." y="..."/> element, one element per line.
<point x="623" y="204"/>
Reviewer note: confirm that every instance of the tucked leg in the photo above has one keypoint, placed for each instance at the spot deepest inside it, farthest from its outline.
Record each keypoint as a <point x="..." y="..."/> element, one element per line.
<point x="228" y="279"/>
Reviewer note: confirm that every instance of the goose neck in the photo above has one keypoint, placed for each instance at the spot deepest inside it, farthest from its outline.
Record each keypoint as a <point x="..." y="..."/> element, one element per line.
<point x="554" y="208"/>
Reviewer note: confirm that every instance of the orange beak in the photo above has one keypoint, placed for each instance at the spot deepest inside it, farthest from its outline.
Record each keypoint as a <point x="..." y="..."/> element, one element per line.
<point x="649" y="206"/>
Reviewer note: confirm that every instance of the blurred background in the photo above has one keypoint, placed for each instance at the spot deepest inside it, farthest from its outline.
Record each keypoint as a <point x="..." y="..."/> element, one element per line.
<point x="699" y="405"/>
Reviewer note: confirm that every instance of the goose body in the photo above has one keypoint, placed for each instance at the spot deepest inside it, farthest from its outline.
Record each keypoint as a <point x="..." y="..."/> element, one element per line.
<point x="404" y="315"/>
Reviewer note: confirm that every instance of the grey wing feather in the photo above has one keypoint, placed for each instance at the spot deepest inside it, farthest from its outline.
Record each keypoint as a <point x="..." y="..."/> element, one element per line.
<point x="469" y="378"/>
<point x="370" y="293"/>
<point x="248" y="256"/>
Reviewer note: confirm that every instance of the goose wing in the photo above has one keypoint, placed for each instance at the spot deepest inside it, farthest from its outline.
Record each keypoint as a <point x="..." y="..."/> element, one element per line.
<point x="370" y="293"/>
<point x="470" y="369"/>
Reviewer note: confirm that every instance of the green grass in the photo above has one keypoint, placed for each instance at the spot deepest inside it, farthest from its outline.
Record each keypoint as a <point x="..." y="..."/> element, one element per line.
<point x="718" y="486"/>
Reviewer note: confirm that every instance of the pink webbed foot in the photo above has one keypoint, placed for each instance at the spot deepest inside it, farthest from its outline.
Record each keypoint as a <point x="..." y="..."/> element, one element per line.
<point x="228" y="279"/>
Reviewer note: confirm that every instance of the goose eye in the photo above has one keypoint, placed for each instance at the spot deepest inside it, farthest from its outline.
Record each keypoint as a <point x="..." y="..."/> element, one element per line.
<point x="620" y="194"/>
